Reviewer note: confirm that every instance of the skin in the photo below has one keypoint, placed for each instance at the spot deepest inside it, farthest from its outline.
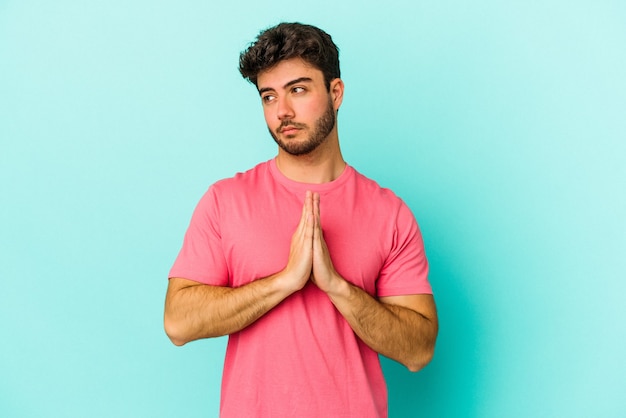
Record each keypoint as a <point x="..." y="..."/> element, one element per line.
<point x="403" y="328"/>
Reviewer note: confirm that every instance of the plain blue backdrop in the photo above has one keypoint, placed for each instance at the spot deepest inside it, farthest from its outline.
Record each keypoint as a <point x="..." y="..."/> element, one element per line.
<point x="501" y="124"/>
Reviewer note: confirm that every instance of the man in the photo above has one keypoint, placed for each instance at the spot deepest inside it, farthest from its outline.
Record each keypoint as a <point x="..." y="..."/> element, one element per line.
<point x="309" y="267"/>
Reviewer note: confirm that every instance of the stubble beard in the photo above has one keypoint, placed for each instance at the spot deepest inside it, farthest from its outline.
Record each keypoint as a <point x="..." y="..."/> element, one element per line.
<point x="323" y="127"/>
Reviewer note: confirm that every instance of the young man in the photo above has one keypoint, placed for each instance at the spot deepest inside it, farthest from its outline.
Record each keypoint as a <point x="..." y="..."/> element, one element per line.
<point x="309" y="267"/>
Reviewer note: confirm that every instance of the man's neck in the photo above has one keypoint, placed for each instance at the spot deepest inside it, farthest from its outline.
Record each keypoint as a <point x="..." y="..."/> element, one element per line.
<point x="323" y="165"/>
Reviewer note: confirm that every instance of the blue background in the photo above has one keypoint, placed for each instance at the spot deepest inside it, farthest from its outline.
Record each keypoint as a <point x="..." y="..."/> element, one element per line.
<point x="501" y="124"/>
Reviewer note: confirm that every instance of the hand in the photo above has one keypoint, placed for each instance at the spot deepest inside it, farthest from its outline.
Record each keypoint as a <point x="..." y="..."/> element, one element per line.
<point x="299" y="266"/>
<point x="324" y="274"/>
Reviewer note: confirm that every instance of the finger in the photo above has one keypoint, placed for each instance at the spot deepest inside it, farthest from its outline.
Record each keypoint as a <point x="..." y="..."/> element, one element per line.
<point x="308" y="201"/>
<point x="303" y="217"/>
<point x="310" y="217"/>
<point x="316" y="213"/>
<point x="316" y="204"/>
<point x="309" y="230"/>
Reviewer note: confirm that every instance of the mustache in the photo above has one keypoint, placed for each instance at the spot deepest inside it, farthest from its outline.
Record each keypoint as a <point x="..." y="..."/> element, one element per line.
<point x="289" y="122"/>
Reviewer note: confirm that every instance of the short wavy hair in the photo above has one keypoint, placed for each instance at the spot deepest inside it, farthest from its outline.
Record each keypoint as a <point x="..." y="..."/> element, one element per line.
<point x="290" y="40"/>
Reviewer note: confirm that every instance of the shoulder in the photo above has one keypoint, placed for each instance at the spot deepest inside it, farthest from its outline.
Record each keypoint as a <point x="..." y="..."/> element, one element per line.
<point x="242" y="184"/>
<point x="231" y="190"/>
<point x="383" y="203"/>
<point x="376" y="194"/>
<point x="246" y="179"/>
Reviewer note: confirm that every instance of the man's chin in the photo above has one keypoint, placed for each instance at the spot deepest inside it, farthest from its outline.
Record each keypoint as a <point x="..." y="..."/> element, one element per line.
<point x="297" y="149"/>
<point x="296" y="145"/>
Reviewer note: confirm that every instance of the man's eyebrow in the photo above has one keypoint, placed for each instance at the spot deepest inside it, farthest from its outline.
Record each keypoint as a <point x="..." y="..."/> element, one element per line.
<point x="291" y="83"/>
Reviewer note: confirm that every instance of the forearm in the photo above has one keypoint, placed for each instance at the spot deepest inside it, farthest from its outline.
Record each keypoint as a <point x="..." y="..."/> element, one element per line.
<point x="398" y="332"/>
<point x="194" y="311"/>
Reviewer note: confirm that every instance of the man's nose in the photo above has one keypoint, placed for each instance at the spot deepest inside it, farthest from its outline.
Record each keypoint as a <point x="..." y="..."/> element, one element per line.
<point x="284" y="109"/>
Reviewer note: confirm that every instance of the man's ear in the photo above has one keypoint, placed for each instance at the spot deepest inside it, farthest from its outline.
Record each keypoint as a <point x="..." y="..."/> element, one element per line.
<point x="336" y="92"/>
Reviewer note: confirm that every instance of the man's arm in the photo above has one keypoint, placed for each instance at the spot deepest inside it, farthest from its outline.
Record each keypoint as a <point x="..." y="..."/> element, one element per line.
<point x="403" y="328"/>
<point x="194" y="310"/>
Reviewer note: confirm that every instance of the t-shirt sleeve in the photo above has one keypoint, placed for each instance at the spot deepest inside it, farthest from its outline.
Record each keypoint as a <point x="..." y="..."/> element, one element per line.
<point x="201" y="257"/>
<point x="405" y="271"/>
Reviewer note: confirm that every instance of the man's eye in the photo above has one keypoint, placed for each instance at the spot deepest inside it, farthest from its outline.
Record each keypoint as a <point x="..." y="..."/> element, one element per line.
<point x="268" y="98"/>
<point x="298" y="89"/>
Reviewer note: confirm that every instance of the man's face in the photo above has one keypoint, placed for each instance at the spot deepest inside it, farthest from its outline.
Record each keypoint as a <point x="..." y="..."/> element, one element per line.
<point x="299" y="111"/>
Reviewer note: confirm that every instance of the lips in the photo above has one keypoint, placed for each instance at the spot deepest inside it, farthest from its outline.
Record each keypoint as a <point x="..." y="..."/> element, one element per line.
<point x="289" y="130"/>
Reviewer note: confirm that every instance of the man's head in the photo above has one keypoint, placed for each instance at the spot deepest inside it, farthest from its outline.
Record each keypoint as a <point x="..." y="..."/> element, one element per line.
<point x="291" y="40"/>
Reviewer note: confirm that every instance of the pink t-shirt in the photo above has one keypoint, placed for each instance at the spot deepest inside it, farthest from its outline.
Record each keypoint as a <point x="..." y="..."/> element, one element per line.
<point x="302" y="359"/>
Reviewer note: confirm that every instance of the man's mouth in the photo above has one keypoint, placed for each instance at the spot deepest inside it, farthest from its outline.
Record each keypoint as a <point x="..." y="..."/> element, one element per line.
<point x="289" y="130"/>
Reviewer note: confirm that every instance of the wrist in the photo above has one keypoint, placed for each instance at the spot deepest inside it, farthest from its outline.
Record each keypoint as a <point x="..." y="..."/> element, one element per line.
<point x="339" y="288"/>
<point x="285" y="283"/>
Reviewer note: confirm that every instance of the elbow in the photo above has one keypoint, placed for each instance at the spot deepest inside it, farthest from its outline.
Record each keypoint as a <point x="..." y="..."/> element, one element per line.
<point x="172" y="330"/>
<point x="177" y="341"/>
<point x="425" y="350"/>
<point x="180" y="333"/>
<point x="423" y="354"/>
<point x="420" y="361"/>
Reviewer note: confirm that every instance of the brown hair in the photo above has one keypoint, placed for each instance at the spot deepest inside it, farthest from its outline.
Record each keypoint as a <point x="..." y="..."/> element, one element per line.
<point x="290" y="40"/>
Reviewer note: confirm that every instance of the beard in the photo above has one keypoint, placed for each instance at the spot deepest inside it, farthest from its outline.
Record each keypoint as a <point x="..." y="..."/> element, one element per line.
<point x="323" y="127"/>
